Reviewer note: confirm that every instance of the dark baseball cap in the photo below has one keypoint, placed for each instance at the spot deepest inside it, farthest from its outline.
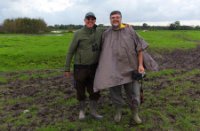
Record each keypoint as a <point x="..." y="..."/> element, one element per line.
<point x="90" y="14"/>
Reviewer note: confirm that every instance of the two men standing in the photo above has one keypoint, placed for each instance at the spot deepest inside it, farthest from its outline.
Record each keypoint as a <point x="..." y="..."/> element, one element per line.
<point x="121" y="54"/>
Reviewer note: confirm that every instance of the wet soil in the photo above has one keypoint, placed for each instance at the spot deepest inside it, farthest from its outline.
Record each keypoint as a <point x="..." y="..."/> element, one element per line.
<point x="179" y="59"/>
<point x="43" y="95"/>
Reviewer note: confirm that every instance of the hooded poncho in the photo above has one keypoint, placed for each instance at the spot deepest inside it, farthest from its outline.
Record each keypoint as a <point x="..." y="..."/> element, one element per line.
<point x="119" y="57"/>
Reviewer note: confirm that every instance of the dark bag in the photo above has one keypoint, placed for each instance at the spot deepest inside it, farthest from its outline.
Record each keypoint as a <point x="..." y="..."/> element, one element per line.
<point x="138" y="76"/>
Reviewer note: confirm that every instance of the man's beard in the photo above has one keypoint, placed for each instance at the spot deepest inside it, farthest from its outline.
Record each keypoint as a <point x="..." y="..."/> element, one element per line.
<point x="116" y="25"/>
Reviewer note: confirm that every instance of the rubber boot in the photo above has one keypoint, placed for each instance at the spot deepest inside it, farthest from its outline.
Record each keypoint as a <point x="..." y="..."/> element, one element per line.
<point x="118" y="115"/>
<point x="136" y="117"/>
<point x="93" y="110"/>
<point x="82" y="105"/>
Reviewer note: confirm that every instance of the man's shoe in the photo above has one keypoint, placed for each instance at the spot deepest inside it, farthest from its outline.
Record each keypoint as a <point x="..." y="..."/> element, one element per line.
<point x="136" y="117"/>
<point x="118" y="116"/>
<point x="93" y="112"/>
<point x="81" y="115"/>
<point x="82" y="106"/>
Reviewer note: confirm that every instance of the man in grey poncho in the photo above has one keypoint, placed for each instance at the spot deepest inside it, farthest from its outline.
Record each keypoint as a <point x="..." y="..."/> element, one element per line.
<point x="121" y="54"/>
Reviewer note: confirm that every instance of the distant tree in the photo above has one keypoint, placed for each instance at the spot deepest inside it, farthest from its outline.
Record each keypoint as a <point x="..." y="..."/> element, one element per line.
<point x="1" y="28"/>
<point x="172" y="26"/>
<point x="184" y="27"/>
<point x="175" y="26"/>
<point x="9" y="25"/>
<point x="197" y="27"/>
<point x="177" y="23"/>
<point x="100" y="25"/>
<point x="145" y="26"/>
<point x="69" y="27"/>
<point x="24" y="25"/>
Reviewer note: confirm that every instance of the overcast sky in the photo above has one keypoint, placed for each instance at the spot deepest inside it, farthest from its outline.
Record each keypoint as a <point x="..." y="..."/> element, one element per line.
<point x="134" y="11"/>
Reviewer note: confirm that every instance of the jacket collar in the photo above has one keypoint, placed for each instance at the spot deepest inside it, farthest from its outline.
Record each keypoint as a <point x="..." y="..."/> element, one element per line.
<point x="90" y="30"/>
<point x="122" y="26"/>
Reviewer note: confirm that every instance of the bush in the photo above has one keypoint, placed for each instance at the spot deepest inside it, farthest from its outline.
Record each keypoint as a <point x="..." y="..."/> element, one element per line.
<point x="24" y="25"/>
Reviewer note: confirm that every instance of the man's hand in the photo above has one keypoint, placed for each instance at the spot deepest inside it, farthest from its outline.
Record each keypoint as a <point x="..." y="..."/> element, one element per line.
<point x="140" y="61"/>
<point x="67" y="74"/>
<point x="141" y="69"/>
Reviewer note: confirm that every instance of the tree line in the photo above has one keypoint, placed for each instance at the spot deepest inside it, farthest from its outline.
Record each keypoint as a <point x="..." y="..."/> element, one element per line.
<point x="173" y="26"/>
<point x="69" y="27"/>
<point x="35" y="26"/>
<point x="24" y="25"/>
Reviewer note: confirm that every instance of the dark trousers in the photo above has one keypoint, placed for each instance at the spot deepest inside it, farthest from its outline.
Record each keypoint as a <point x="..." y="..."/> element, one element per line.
<point x="84" y="79"/>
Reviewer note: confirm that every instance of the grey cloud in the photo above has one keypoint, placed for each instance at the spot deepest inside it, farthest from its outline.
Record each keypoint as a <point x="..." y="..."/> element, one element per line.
<point x="132" y="11"/>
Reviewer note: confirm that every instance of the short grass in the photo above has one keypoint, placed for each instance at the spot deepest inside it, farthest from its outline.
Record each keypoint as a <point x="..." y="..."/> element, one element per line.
<point x="170" y="40"/>
<point x="33" y="52"/>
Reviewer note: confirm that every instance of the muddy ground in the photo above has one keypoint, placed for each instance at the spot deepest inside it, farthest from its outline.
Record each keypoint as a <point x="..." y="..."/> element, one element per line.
<point x="179" y="59"/>
<point x="37" y="102"/>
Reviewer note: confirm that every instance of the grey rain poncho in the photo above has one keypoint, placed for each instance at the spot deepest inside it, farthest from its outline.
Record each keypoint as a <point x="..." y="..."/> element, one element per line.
<point x="119" y="58"/>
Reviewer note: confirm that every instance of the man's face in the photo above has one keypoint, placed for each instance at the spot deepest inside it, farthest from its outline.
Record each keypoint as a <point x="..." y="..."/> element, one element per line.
<point x="115" y="20"/>
<point x="89" y="22"/>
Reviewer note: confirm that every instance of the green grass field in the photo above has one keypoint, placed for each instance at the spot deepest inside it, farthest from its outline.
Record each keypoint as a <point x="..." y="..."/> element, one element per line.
<point x="34" y="96"/>
<point x="169" y="40"/>
<point x="33" y="52"/>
